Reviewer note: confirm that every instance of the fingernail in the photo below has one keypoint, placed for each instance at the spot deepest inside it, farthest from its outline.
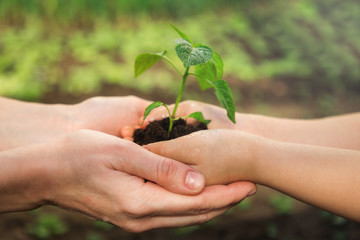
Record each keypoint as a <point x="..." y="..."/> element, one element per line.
<point x="252" y="192"/>
<point x="194" y="180"/>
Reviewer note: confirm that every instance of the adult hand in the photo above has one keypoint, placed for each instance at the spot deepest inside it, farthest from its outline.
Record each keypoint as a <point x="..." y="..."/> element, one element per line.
<point x="223" y="156"/>
<point x="25" y="123"/>
<point x="103" y="176"/>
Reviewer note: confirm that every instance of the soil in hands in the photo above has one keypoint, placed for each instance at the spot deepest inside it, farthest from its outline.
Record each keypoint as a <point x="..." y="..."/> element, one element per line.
<point x="157" y="131"/>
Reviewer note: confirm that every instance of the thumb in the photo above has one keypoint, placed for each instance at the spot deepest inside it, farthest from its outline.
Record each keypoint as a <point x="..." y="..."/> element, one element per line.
<point x="170" y="174"/>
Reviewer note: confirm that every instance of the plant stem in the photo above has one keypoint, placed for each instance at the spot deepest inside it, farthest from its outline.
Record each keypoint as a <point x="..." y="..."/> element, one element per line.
<point x="181" y="91"/>
<point x="171" y="119"/>
<point x="167" y="109"/>
<point x="186" y="74"/>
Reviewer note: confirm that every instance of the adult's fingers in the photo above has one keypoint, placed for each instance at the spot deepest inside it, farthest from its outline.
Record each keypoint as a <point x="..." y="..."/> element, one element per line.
<point x="211" y="198"/>
<point x="151" y="222"/>
<point x="170" y="174"/>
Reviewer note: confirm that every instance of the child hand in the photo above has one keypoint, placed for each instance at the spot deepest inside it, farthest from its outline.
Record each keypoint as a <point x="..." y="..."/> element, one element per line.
<point x="223" y="156"/>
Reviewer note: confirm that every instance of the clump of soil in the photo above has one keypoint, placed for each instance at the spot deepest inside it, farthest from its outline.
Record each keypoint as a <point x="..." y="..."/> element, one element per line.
<point x="158" y="131"/>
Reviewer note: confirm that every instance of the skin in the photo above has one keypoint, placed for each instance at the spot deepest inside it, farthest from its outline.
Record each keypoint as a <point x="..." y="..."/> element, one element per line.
<point x="314" y="167"/>
<point x="25" y="123"/>
<point x="321" y="176"/>
<point x="71" y="156"/>
<point x="336" y="131"/>
<point x="108" y="188"/>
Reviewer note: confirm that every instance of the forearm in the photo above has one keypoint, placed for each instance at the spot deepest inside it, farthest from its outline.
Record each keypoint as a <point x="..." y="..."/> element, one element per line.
<point x="321" y="176"/>
<point x="22" y="182"/>
<point x="339" y="131"/>
<point x="24" y="123"/>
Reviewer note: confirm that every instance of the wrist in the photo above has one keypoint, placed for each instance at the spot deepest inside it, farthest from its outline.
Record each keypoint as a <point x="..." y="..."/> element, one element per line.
<point x="250" y="123"/>
<point x="267" y="161"/>
<point x="66" y="117"/>
<point x="61" y="117"/>
<point x="23" y="180"/>
<point x="247" y="155"/>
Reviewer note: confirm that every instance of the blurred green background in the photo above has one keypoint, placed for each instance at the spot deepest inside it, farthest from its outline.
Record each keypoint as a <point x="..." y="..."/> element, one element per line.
<point x="311" y="47"/>
<point x="285" y="58"/>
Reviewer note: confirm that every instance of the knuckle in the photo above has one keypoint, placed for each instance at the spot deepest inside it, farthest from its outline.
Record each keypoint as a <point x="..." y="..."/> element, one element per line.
<point x="166" y="169"/>
<point x="201" y="206"/>
<point x="133" y="210"/>
<point x="132" y="226"/>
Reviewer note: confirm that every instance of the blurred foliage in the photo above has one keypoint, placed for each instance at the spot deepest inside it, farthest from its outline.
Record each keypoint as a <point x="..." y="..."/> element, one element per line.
<point x="272" y="230"/>
<point x="245" y="204"/>
<point x="103" y="225"/>
<point x="281" y="203"/>
<point x="183" y="231"/>
<point x="46" y="226"/>
<point x="76" y="46"/>
<point x="333" y="219"/>
<point x="94" y="236"/>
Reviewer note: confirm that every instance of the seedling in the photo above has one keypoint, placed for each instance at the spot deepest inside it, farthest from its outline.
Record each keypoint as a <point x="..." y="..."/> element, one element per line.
<point x="208" y="72"/>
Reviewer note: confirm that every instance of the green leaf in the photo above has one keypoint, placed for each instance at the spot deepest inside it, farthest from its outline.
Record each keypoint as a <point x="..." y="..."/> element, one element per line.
<point x="212" y="70"/>
<point x="206" y="72"/>
<point x="198" y="116"/>
<point x="152" y="107"/>
<point x="224" y="95"/>
<point x="144" y="61"/>
<point x="191" y="56"/>
<point x="219" y="65"/>
<point x="183" y="35"/>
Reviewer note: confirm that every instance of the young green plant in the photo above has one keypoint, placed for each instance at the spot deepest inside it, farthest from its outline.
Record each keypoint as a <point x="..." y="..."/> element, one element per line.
<point x="208" y="72"/>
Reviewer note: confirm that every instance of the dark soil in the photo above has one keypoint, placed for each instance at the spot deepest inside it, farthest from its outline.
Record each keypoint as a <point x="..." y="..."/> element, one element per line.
<point x="158" y="131"/>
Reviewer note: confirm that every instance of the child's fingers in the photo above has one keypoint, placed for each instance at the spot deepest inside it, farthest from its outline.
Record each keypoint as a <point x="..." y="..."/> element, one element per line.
<point x="127" y="132"/>
<point x="129" y="139"/>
